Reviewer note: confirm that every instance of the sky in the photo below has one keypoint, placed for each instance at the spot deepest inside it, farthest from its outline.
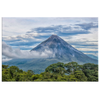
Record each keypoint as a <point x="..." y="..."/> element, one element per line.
<point x="25" y="33"/>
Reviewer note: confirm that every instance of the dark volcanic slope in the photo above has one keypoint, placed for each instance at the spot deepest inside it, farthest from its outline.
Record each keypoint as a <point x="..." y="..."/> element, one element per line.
<point x="62" y="50"/>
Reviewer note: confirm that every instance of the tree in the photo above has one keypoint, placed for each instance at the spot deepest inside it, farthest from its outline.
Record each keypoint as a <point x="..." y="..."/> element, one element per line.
<point x="60" y="70"/>
<point x="56" y="68"/>
<point x="50" y="68"/>
<point x="80" y="75"/>
<point x="13" y="71"/>
<point x="5" y="74"/>
<point x="30" y="72"/>
<point x="4" y="66"/>
<point x="34" y="77"/>
<point x="23" y="79"/>
<point x="90" y="71"/>
<point x="72" y="67"/>
<point x="20" y="71"/>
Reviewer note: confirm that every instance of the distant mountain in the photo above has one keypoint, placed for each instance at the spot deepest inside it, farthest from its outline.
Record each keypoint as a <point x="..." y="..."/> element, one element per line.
<point x="61" y="52"/>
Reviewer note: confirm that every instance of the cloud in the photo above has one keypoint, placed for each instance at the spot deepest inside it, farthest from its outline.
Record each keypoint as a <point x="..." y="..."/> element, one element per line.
<point x="60" y="30"/>
<point x="15" y="26"/>
<point x="29" y="39"/>
<point x="17" y="53"/>
<point x="7" y="59"/>
<point x="87" y="49"/>
<point x="95" y="54"/>
<point x="34" y="29"/>
<point x="22" y="43"/>
<point x="26" y="37"/>
<point x="26" y="47"/>
<point x="47" y="29"/>
<point x="90" y="52"/>
<point x="90" y="38"/>
<point x="88" y="26"/>
<point x="4" y="58"/>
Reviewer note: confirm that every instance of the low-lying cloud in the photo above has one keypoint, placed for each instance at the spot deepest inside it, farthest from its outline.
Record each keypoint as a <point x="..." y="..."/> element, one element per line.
<point x="8" y="51"/>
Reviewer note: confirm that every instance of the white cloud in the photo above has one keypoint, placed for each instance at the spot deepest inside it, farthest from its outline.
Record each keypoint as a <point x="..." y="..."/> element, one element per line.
<point x="26" y="37"/>
<point x="17" y="53"/>
<point x="4" y="58"/>
<point x="15" y="26"/>
<point x="86" y="38"/>
<point x="7" y="59"/>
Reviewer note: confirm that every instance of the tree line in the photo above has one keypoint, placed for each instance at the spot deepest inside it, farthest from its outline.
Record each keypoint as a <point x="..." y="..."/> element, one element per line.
<point x="71" y="71"/>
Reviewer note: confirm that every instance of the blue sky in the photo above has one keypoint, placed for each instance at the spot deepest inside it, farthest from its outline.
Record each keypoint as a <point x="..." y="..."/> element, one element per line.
<point x="26" y="33"/>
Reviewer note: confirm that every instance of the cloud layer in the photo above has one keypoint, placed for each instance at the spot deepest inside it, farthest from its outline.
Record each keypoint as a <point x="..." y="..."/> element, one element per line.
<point x="9" y="52"/>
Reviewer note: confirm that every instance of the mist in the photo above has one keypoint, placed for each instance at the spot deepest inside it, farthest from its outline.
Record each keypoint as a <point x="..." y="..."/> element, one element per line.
<point x="10" y="52"/>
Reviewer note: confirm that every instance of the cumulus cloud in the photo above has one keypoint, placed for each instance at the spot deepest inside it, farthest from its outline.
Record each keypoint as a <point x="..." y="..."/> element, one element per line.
<point x="8" y="51"/>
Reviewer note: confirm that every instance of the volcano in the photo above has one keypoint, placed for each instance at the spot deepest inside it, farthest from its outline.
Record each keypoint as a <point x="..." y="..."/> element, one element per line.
<point x="61" y="52"/>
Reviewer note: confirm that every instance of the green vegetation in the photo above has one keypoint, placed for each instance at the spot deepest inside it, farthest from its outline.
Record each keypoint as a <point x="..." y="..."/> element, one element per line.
<point x="56" y="72"/>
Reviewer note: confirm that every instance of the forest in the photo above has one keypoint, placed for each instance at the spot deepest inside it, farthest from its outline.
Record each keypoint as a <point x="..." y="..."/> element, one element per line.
<point x="69" y="72"/>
